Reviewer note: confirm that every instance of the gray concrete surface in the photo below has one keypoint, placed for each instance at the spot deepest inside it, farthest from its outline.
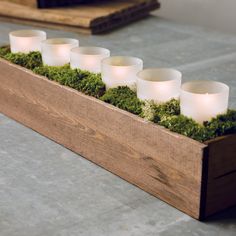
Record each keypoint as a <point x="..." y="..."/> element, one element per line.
<point x="46" y="190"/>
<point x="216" y="14"/>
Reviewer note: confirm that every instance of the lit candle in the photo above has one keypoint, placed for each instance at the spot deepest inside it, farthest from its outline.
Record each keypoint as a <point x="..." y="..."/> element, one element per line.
<point x="159" y="85"/>
<point x="56" y="52"/>
<point x="203" y="100"/>
<point x="121" y="71"/>
<point x="26" y="41"/>
<point x="88" y="58"/>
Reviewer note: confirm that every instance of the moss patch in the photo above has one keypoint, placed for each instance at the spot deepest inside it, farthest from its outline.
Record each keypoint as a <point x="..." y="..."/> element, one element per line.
<point x="156" y="113"/>
<point x="4" y="50"/>
<point x="84" y="81"/>
<point x="124" y="98"/>
<point x="167" y="114"/>
<point x="29" y="60"/>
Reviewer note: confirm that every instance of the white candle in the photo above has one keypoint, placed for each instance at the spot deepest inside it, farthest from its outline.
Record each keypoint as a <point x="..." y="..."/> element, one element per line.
<point x="159" y="85"/>
<point x="88" y="58"/>
<point x="203" y="100"/>
<point x="26" y="41"/>
<point x="56" y="52"/>
<point x="121" y="71"/>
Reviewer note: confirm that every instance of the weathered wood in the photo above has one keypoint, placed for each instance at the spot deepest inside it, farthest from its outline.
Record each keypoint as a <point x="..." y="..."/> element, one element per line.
<point x="96" y="17"/>
<point x="221" y="187"/>
<point x="49" y="3"/>
<point x="31" y="3"/>
<point x="165" y="164"/>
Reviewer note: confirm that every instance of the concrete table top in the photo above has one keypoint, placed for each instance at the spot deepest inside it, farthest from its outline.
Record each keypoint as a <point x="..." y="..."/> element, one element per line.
<point x="47" y="190"/>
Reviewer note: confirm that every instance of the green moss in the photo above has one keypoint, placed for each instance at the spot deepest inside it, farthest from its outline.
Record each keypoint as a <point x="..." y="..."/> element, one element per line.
<point x="4" y="50"/>
<point x="61" y="74"/>
<point x="124" y="98"/>
<point x="188" y="127"/>
<point x="29" y="61"/>
<point x="93" y="86"/>
<point x="166" y="114"/>
<point x="84" y="81"/>
<point x="153" y="112"/>
<point x="222" y="124"/>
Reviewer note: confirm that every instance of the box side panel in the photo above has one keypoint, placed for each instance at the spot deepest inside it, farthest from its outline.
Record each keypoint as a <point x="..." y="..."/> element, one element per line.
<point x="221" y="186"/>
<point x="164" y="164"/>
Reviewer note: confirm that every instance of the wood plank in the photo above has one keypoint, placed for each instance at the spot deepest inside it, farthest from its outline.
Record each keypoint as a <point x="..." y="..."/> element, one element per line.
<point x="48" y="25"/>
<point x="49" y="3"/>
<point x="221" y="187"/>
<point x="98" y="17"/>
<point x="31" y="3"/>
<point x="224" y="161"/>
<point x="158" y="161"/>
<point x="221" y="194"/>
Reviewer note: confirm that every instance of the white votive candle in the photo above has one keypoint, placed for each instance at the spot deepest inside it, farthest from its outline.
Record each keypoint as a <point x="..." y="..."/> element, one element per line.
<point x="121" y="71"/>
<point x="88" y="58"/>
<point x="203" y="100"/>
<point x="159" y="85"/>
<point x="56" y="52"/>
<point x="26" y="41"/>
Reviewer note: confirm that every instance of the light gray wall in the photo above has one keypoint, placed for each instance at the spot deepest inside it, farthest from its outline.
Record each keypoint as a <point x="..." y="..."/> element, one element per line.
<point x="216" y="14"/>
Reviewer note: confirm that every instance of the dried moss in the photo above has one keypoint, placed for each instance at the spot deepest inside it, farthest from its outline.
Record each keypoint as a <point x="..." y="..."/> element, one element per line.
<point x="155" y="113"/>
<point x="124" y="98"/>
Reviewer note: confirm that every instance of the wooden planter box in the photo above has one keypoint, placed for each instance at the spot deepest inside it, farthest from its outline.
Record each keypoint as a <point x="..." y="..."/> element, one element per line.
<point x="197" y="178"/>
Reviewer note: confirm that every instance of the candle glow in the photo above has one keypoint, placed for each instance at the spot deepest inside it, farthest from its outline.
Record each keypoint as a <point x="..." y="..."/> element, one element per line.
<point x="56" y="52"/>
<point x="204" y="100"/>
<point x="88" y="58"/>
<point x="121" y="71"/>
<point x="26" y="41"/>
<point x="159" y="85"/>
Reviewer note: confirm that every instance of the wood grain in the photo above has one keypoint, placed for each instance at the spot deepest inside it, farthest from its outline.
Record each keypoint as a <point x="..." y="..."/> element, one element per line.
<point x="221" y="187"/>
<point x="96" y="17"/>
<point x="31" y="3"/>
<point x="191" y="176"/>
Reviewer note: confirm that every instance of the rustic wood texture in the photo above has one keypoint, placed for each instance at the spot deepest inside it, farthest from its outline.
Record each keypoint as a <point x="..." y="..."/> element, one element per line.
<point x="49" y="3"/>
<point x="31" y="3"/>
<point x="93" y="18"/>
<point x="167" y="165"/>
<point x="221" y="187"/>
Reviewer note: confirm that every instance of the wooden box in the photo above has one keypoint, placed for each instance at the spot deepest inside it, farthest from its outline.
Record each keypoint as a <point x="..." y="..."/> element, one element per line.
<point x="197" y="178"/>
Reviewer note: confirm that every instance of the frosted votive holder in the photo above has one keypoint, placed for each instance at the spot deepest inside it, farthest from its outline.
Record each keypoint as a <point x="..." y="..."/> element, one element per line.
<point x="56" y="52"/>
<point x="121" y="71"/>
<point x="159" y="85"/>
<point x="26" y="41"/>
<point x="204" y="100"/>
<point x="88" y="58"/>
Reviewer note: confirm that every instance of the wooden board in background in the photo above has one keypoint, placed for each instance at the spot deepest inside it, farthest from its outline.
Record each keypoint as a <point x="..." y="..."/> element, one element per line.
<point x="50" y="3"/>
<point x="93" y="18"/>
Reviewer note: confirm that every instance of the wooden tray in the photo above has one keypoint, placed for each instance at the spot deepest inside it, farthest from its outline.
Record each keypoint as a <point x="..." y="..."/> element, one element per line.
<point x="93" y="18"/>
<point x="197" y="178"/>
